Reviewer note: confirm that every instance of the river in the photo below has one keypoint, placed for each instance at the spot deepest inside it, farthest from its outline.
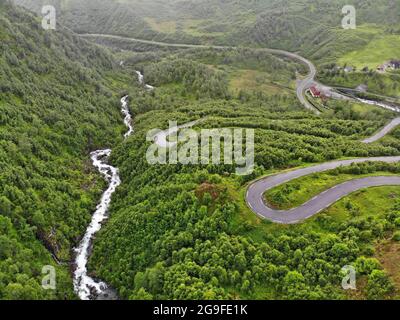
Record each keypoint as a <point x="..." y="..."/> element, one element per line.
<point x="86" y="287"/>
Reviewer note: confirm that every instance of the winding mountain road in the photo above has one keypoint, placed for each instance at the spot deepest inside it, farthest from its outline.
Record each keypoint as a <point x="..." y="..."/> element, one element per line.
<point x="384" y="131"/>
<point x="255" y="192"/>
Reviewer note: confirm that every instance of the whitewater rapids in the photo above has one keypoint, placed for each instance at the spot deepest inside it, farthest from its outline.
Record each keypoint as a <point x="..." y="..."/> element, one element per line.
<point x="85" y="286"/>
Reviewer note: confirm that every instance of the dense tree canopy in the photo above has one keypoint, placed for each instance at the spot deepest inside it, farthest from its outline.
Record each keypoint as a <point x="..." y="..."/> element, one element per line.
<point x="176" y="232"/>
<point x="55" y="107"/>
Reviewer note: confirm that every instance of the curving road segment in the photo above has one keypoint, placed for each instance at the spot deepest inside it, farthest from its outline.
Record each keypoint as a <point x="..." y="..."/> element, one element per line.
<point x="255" y="193"/>
<point x="384" y="131"/>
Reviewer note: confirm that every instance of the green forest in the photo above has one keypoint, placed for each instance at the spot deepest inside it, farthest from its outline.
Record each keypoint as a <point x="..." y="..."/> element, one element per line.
<point x="181" y="232"/>
<point x="58" y="101"/>
<point x="186" y="232"/>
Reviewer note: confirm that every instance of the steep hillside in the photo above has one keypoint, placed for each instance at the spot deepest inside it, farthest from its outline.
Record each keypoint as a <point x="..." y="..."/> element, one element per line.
<point x="293" y="25"/>
<point x="55" y="107"/>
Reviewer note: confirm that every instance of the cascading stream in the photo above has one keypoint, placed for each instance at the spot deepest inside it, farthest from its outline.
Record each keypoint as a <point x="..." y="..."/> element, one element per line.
<point x="85" y="286"/>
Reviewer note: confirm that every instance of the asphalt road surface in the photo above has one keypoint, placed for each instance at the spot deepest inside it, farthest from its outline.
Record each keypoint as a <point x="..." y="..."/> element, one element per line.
<point x="255" y="192"/>
<point x="388" y="128"/>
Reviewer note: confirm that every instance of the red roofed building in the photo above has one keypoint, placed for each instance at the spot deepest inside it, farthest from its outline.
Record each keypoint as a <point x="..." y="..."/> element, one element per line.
<point x="315" y="92"/>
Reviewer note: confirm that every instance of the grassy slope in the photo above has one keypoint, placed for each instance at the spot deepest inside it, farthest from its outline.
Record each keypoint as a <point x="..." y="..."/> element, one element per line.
<point x="277" y="22"/>
<point x="379" y="50"/>
<point x="368" y="46"/>
<point x="251" y="80"/>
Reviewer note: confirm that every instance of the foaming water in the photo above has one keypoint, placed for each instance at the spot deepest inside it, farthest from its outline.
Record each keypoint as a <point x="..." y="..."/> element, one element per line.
<point x="128" y="116"/>
<point x="141" y="81"/>
<point x="85" y="286"/>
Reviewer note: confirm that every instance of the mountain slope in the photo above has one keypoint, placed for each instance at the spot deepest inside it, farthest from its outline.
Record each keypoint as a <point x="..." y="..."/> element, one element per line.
<point x="55" y="108"/>
<point x="175" y="231"/>
<point x="184" y="231"/>
<point x="290" y="25"/>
